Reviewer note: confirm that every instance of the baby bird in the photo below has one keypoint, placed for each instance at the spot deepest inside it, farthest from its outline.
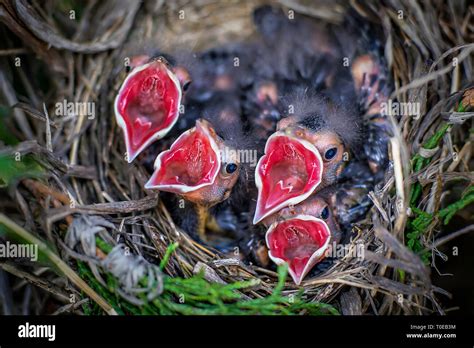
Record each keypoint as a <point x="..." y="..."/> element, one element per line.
<point x="363" y="44"/>
<point x="261" y="108"/>
<point x="284" y="63"/>
<point x="224" y="69"/>
<point x="350" y="199"/>
<point x="307" y="153"/>
<point x="302" y="236"/>
<point x="147" y="104"/>
<point x="370" y="80"/>
<point x="295" y="49"/>
<point x="194" y="169"/>
<point x="203" y="166"/>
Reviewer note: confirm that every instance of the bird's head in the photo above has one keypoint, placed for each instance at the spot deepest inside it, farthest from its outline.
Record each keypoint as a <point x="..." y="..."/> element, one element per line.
<point x="195" y="168"/>
<point x="289" y="172"/>
<point x="301" y="236"/>
<point x="306" y="154"/>
<point x="329" y="144"/>
<point x="147" y="104"/>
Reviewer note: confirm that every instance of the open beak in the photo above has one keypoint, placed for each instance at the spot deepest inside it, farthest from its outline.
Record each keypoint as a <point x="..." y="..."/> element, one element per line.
<point x="287" y="174"/>
<point x="192" y="162"/>
<point x="147" y="105"/>
<point x="301" y="242"/>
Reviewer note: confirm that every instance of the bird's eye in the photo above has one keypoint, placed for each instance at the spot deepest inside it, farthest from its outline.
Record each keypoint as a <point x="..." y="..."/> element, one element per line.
<point x="230" y="168"/>
<point x="330" y="154"/>
<point x="128" y="68"/>
<point x="325" y="213"/>
<point x="186" y="85"/>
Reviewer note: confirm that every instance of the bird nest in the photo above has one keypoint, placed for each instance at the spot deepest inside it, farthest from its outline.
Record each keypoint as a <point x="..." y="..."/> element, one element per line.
<point x="90" y="206"/>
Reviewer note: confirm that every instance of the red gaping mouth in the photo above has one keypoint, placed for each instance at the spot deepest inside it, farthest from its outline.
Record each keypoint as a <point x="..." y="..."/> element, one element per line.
<point x="192" y="162"/>
<point x="287" y="174"/>
<point x="147" y="105"/>
<point x="301" y="242"/>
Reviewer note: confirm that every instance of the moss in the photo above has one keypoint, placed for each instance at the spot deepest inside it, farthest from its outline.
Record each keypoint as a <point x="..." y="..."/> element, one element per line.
<point x="419" y="162"/>
<point x="467" y="198"/>
<point x="196" y="296"/>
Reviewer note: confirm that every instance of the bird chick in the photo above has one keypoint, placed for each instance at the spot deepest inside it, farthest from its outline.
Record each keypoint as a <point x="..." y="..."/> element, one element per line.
<point x="292" y="53"/>
<point x="194" y="169"/>
<point x="302" y="236"/>
<point x="363" y="45"/>
<point x="350" y="197"/>
<point x="213" y="207"/>
<point x="306" y="154"/>
<point x="295" y="49"/>
<point x="147" y="104"/>
<point x="224" y="69"/>
<point x="372" y="88"/>
<point x="262" y="108"/>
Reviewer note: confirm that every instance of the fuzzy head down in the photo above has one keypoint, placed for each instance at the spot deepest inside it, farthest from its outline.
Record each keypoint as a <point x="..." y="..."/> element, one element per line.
<point x="319" y="113"/>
